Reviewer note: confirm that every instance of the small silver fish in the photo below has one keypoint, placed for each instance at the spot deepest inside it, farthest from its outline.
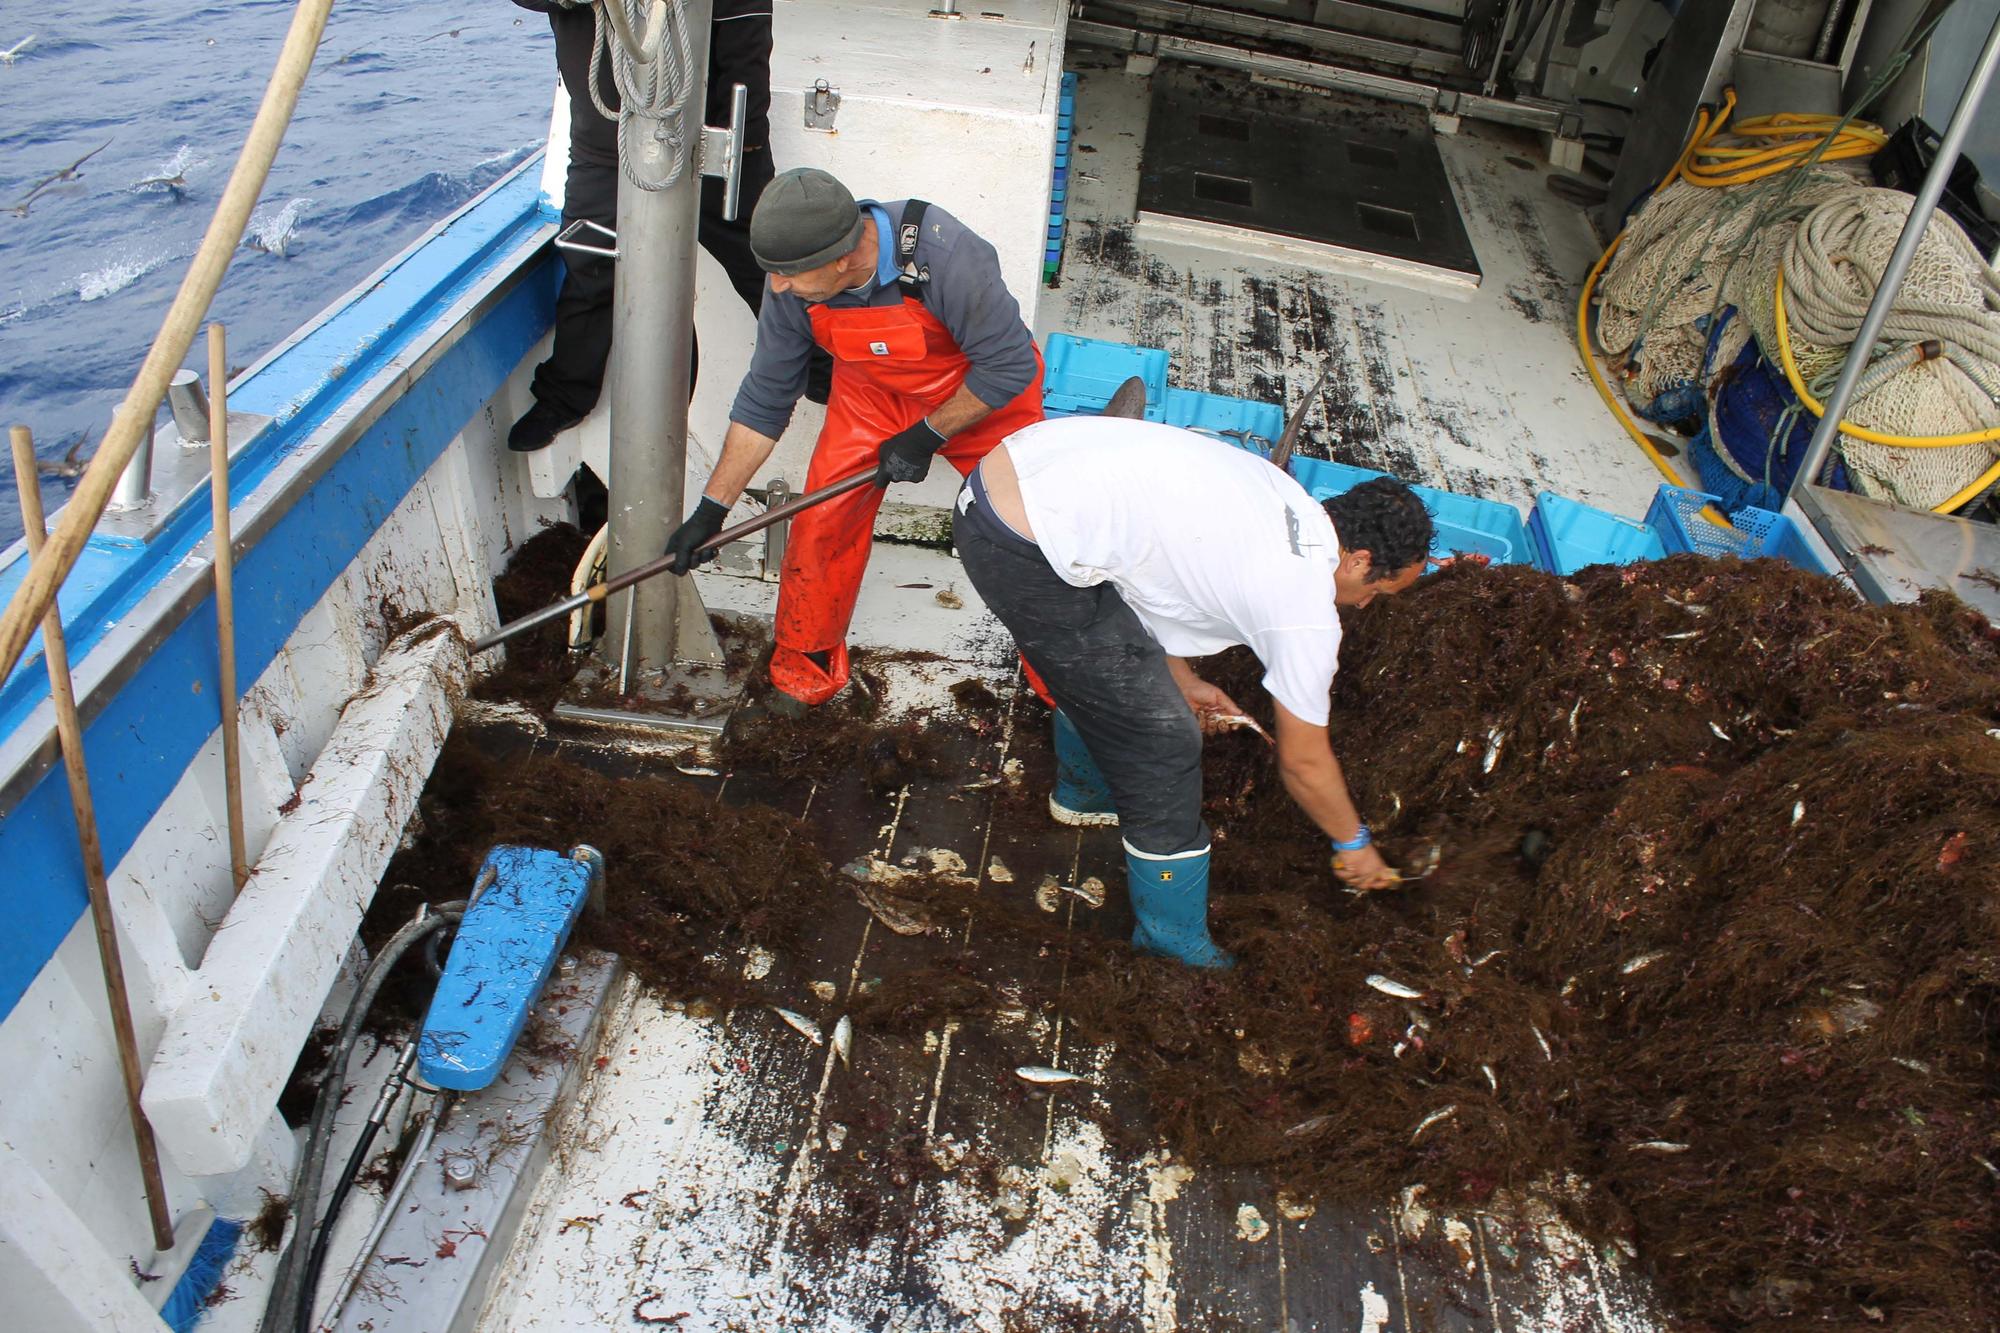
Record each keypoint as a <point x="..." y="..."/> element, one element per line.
<point x="1659" y="1145"/>
<point x="1798" y="812"/>
<point x="1495" y="739"/>
<point x="1045" y="1075"/>
<point x="1574" y="710"/>
<point x="1686" y="634"/>
<point x="1444" y="1113"/>
<point x="1641" y="963"/>
<point x="1718" y="731"/>
<point x="800" y="1024"/>
<point x="1491" y="1080"/>
<point x="1243" y="721"/>
<point x="843" y="1039"/>
<point x="1305" y="1127"/>
<point x="1487" y="957"/>
<point x="1542" y="1042"/>
<point x="1376" y="981"/>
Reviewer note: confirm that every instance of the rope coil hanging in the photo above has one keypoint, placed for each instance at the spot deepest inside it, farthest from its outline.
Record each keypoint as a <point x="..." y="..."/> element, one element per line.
<point x="655" y="77"/>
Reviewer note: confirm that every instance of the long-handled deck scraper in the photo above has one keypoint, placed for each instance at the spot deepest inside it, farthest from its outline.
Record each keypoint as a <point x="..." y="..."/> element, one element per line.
<point x="597" y="592"/>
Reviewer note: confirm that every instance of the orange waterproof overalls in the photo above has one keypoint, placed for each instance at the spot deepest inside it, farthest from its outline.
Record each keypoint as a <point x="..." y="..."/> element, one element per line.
<point x="892" y="364"/>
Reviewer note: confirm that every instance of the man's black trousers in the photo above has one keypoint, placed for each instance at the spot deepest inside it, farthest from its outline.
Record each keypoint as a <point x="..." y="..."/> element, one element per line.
<point x="739" y="52"/>
<point x="1106" y="672"/>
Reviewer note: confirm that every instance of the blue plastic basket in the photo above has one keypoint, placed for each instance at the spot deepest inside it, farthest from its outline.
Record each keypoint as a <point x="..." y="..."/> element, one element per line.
<point x="1469" y="526"/>
<point x="1676" y="515"/>
<point x="1229" y="419"/>
<point x="1569" y="535"/>
<point x="1464" y="525"/>
<point x="1323" y="478"/>
<point x="1082" y="373"/>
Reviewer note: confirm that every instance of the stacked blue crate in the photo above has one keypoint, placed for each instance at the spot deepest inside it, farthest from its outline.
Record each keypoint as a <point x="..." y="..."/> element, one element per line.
<point x="1242" y="422"/>
<point x="1753" y="532"/>
<point x="1568" y="535"/>
<point x="1465" y="525"/>
<point x="1081" y="374"/>
<point x="1059" y="183"/>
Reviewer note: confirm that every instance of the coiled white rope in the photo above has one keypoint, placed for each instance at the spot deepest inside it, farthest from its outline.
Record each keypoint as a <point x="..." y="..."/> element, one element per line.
<point x="655" y="77"/>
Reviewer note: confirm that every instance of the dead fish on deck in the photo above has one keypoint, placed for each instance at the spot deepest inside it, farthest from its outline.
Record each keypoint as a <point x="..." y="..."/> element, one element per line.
<point x="1641" y="963"/>
<point x="1659" y="1145"/>
<point x="800" y="1024"/>
<point x="1433" y="1118"/>
<point x="898" y="914"/>
<point x="1046" y="1076"/>
<point x="1378" y="982"/>
<point x="843" y="1039"/>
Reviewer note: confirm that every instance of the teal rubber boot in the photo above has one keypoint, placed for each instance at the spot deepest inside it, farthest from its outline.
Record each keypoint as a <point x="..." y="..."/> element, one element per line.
<point x="1081" y="798"/>
<point x="1170" y="898"/>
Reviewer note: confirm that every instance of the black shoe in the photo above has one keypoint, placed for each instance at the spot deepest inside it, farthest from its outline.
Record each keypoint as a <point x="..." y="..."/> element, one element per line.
<point x="819" y="376"/>
<point x="538" y="426"/>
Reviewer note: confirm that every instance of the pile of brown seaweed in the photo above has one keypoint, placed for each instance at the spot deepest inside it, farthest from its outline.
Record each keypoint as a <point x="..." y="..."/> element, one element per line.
<point x="1716" y="931"/>
<point x="1711" y="955"/>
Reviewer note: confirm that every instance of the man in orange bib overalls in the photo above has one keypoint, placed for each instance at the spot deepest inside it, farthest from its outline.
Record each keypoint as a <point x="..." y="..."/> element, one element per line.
<point x="930" y="357"/>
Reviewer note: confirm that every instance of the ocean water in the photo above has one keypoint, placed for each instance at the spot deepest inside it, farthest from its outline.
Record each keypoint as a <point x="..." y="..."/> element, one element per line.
<point x="411" y="109"/>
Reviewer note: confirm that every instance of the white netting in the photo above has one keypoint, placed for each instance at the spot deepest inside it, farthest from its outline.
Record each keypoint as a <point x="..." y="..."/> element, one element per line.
<point x="1692" y="250"/>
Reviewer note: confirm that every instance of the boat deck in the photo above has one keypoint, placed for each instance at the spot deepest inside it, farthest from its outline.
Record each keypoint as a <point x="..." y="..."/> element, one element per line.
<point x="724" y="1169"/>
<point x="1477" y="391"/>
<point x="725" y="1173"/>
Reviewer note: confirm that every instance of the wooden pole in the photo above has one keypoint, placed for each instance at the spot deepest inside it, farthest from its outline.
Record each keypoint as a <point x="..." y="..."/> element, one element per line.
<point x="225" y="596"/>
<point x="134" y="416"/>
<point x="70" y="731"/>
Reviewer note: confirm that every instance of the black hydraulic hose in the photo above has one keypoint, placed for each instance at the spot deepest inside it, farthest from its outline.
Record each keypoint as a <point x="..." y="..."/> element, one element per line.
<point x="281" y="1309"/>
<point x="356" y="1160"/>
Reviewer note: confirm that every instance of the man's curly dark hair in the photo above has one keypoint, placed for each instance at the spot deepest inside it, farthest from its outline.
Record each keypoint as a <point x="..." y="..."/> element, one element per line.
<point x="1385" y="518"/>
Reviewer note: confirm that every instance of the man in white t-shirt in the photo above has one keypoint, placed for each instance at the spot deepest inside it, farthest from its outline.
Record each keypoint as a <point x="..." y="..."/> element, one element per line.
<point x="1116" y="549"/>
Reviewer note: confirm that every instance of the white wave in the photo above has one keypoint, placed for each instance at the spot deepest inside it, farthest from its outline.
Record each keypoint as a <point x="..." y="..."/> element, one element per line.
<point x="272" y="231"/>
<point x="172" y="171"/>
<point x="116" y="276"/>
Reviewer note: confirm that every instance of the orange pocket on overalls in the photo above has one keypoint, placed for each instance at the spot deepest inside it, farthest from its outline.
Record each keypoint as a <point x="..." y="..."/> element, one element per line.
<point x="873" y="341"/>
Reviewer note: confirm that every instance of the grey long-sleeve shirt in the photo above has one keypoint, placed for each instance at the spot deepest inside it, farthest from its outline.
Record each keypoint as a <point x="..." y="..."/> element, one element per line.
<point x="965" y="292"/>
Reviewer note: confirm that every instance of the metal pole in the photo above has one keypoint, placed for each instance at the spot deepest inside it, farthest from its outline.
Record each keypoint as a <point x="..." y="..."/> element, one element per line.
<point x="69" y="730"/>
<point x="1861" y="349"/>
<point x="225" y="599"/>
<point x="652" y="349"/>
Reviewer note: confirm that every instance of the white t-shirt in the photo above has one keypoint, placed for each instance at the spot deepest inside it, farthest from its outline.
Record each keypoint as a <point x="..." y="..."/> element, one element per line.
<point x="1209" y="545"/>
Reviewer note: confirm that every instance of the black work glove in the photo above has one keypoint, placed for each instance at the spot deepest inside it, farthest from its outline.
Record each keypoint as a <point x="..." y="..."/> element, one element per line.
<point x="703" y="523"/>
<point x="906" y="455"/>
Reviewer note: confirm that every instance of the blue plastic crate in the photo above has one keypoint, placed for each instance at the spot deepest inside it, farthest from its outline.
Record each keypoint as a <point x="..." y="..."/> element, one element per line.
<point x="1676" y="515"/>
<point x="1568" y="535"/>
<point x="1322" y="478"/>
<point x="1082" y="373"/>
<point x="1230" y="419"/>
<point x="1469" y="526"/>
<point x="1464" y="525"/>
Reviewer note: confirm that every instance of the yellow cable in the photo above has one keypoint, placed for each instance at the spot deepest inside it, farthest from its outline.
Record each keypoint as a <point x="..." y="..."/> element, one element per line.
<point x="1583" y="324"/>
<point x="1792" y="376"/>
<point x="1987" y="436"/>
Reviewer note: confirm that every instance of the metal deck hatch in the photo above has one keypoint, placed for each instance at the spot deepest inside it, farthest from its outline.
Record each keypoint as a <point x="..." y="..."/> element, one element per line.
<point x="1354" y="178"/>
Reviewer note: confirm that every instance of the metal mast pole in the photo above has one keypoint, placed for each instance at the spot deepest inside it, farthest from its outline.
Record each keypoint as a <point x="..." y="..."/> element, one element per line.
<point x="1862" y="348"/>
<point x="652" y="351"/>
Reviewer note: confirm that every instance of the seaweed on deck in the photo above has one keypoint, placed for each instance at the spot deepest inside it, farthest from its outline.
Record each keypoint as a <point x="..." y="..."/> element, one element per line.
<point x="1713" y="952"/>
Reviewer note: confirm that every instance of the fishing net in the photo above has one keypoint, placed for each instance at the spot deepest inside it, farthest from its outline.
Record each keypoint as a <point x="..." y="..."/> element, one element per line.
<point x="1693" y="256"/>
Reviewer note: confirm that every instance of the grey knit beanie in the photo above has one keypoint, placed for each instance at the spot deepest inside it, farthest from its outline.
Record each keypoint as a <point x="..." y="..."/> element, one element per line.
<point x="805" y="219"/>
